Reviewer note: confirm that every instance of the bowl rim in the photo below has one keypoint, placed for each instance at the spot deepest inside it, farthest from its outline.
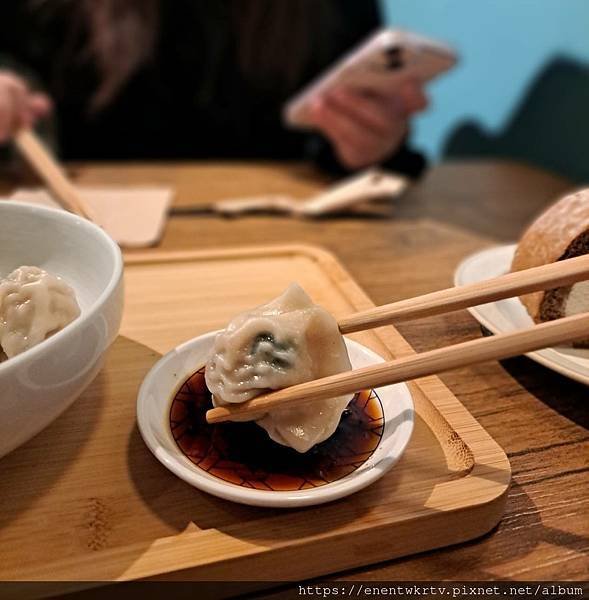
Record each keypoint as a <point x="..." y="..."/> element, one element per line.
<point x="177" y="463"/>
<point x="97" y="305"/>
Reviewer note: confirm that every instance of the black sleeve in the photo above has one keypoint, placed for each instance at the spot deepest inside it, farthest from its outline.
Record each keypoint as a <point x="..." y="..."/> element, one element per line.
<point x="404" y="160"/>
<point x="13" y="33"/>
<point x="20" y="42"/>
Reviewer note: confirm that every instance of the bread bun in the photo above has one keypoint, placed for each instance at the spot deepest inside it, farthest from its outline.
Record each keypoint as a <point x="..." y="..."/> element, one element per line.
<point x="561" y="231"/>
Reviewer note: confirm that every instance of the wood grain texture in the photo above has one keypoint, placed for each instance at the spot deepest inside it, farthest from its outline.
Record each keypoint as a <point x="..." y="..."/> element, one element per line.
<point x="539" y="417"/>
<point x="548" y="276"/>
<point x="114" y="513"/>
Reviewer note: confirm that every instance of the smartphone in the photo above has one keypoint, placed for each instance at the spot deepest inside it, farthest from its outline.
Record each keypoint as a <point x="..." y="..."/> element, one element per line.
<point x="385" y="59"/>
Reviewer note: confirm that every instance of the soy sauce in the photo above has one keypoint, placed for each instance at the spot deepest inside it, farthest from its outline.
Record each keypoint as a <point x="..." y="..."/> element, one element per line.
<point x="244" y="454"/>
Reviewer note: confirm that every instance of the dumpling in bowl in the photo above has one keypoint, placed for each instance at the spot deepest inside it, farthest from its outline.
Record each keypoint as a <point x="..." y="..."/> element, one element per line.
<point x="287" y="341"/>
<point x="33" y="305"/>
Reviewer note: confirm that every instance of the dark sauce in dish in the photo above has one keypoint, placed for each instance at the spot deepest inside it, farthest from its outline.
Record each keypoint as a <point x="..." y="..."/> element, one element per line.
<point x="243" y="454"/>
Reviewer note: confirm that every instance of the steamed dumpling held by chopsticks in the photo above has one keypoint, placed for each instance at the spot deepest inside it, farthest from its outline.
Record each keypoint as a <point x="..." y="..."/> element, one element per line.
<point x="287" y="341"/>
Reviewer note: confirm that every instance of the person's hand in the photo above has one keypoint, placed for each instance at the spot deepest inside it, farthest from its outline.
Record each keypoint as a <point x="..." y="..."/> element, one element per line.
<point x="367" y="128"/>
<point x="19" y="106"/>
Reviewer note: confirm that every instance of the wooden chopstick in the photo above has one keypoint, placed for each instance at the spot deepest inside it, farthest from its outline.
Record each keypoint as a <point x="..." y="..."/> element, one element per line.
<point x="52" y="174"/>
<point x="505" y="345"/>
<point x="561" y="273"/>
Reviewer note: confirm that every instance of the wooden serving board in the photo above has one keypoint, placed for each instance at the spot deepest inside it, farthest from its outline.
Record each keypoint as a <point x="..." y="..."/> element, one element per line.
<point x="86" y="500"/>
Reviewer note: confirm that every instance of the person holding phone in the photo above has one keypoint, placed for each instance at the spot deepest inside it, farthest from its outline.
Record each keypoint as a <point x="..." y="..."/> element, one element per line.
<point x="189" y="79"/>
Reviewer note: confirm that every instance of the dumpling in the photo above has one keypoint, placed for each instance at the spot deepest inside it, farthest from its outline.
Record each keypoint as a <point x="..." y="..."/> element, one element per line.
<point x="33" y="305"/>
<point x="287" y="341"/>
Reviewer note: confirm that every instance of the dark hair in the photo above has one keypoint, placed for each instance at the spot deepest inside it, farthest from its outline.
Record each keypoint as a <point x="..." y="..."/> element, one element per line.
<point x="276" y="39"/>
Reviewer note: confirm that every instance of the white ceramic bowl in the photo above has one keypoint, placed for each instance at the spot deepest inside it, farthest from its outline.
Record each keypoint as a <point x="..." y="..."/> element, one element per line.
<point x="172" y="370"/>
<point x="39" y="384"/>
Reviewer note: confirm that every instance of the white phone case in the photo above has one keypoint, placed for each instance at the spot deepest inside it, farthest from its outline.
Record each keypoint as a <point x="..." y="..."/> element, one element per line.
<point x="385" y="59"/>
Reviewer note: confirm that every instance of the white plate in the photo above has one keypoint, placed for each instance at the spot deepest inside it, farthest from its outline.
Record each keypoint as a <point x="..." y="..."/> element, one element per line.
<point x="510" y="314"/>
<point x="172" y="370"/>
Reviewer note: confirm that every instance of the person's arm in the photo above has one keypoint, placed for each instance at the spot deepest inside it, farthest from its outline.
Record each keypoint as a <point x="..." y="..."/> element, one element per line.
<point x="20" y="104"/>
<point x="403" y="160"/>
<point x="22" y="101"/>
<point x="359" y="130"/>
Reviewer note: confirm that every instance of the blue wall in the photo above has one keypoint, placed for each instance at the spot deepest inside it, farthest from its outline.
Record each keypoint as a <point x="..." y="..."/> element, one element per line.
<point x="504" y="45"/>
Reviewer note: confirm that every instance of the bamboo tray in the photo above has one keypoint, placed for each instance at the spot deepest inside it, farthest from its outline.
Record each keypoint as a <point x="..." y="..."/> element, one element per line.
<point x="86" y="501"/>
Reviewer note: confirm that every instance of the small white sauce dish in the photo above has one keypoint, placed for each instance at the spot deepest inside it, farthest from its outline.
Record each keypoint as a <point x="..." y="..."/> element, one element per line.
<point x="39" y="384"/>
<point x="172" y="370"/>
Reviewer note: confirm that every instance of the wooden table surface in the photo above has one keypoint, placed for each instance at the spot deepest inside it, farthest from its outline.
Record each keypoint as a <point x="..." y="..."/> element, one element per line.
<point x="408" y="248"/>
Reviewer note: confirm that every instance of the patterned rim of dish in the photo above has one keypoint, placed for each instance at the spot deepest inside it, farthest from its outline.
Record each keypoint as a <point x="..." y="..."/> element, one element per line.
<point x="172" y="370"/>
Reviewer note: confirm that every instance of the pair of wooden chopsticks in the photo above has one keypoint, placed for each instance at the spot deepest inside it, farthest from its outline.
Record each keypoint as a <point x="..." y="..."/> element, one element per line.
<point x="568" y="329"/>
<point x="52" y="174"/>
